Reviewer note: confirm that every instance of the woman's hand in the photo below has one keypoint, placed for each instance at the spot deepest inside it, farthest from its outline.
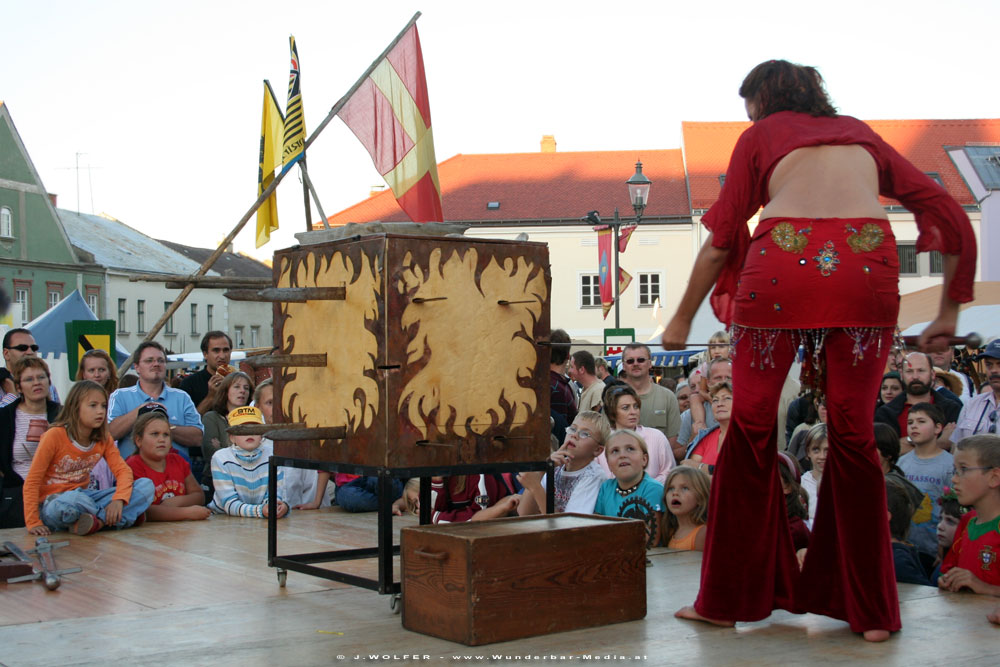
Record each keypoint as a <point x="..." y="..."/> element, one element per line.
<point x="676" y="334"/>
<point x="934" y="337"/>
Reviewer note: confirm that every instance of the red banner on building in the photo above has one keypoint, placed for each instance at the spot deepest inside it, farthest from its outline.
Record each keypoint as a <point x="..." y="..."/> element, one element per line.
<point x="604" y="241"/>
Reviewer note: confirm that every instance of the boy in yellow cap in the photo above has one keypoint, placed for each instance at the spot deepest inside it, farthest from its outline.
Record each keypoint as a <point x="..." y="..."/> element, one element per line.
<point x="239" y="472"/>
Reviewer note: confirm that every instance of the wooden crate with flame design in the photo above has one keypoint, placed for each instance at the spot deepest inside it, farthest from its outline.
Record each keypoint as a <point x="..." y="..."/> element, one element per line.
<point x="434" y="350"/>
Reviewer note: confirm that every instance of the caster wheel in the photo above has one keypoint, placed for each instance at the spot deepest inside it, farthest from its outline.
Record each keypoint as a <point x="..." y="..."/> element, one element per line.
<point x="282" y="578"/>
<point x="396" y="603"/>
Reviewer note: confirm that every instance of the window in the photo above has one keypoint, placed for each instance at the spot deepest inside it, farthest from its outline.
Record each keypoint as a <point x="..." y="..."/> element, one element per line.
<point x="937" y="263"/>
<point x="22" y="297"/>
<point x="54" y="292"/>
<point x="649" y="289"/>
<point x="208" y="317"/>
<point x="140" y="316"/>
<point x="194" y="319"/>
<point x="238" y="342"/>
<point x="590" y="290"/>
<point x="255" y="336"/>
<point x="169" y="328"/>
<point x="122" y="316"/>
<point x="907" y="258"/>
<point x="94" y="300"/>
<point x="6" y="223"/>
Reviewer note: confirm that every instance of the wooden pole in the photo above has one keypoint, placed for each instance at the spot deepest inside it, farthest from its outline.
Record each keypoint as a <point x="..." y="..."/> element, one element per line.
<point x="305" y="193"/>
<point x="207" y="264"/>
<point x="308" y="182"/>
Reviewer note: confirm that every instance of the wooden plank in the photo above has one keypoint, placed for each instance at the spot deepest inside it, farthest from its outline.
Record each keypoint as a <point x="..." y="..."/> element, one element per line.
<point x="288" y="361"/>
<point x="288" y="294"/>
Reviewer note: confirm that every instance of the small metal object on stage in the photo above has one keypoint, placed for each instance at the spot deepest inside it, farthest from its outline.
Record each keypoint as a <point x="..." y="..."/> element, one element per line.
<point x="48" y="574"/>
<point x="482" y="582"/>
<point x="288" y="294"/>
<point x="973" y="340"/>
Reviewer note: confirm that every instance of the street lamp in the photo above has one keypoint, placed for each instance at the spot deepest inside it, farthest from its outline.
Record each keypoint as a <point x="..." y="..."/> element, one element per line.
<point x="638" y="194"/>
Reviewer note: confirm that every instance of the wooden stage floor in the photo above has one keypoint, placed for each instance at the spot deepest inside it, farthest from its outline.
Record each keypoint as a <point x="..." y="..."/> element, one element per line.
<point x="200" y="593"/>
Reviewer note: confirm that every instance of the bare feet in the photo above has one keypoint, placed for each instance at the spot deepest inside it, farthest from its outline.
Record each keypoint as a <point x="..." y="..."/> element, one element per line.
<point x="690" y="614"/>
<point x="876" y="635"/>
<point x="995" y="616"/>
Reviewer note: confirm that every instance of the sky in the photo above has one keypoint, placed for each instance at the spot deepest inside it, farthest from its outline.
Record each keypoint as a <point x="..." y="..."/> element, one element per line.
<point x="159" y="103"/>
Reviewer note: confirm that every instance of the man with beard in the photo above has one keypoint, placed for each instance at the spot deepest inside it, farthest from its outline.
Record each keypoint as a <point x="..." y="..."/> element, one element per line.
<point x="980" y="414"/>
<point x="918" y="380"/>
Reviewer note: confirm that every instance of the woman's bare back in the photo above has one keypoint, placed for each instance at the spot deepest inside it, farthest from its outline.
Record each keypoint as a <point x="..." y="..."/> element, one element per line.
<point x="825" y="182"/>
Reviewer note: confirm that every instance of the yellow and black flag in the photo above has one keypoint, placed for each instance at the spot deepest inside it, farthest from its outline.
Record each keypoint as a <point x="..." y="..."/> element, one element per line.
<point x="271" y="125"/>
<point x="295" y="122"/>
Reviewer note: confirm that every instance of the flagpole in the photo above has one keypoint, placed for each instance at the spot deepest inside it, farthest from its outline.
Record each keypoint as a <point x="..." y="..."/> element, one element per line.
<point x="616" y="226"/>
<point x="312" y="189"/>
<point x="305" y="192"/>
<point x="207" y="264"/>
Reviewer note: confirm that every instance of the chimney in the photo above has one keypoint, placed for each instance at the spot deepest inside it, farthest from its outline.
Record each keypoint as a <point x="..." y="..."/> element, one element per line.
<point x="53" y="198"/>
<point x="548" y="143"/>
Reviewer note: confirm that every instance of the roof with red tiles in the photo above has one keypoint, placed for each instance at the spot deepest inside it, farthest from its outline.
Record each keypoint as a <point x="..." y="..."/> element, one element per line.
<point x="541" y="187"/>
<point x="707" y="147"/>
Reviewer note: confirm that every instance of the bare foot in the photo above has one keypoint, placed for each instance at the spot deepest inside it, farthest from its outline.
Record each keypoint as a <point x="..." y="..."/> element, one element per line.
<point x="876" y="635"/>
<point x="995" y="616"/>
<point x="690" y="614"/>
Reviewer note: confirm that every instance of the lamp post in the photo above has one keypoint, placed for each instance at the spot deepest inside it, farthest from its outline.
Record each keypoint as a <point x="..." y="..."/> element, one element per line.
<point x="638" y="194"/>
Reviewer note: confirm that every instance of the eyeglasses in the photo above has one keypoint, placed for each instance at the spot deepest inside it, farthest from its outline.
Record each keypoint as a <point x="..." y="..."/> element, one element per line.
<point x="153" y="362"/>
<point x="960" y="472"/>
<point x="23" y="348"/>
<point x="636" y="360"/>
<point x="993" y="422"/>
<point x="583" y="435"/>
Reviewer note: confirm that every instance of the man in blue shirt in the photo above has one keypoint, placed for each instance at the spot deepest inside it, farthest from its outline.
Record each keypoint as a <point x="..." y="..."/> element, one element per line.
<point x="185" y="423"/>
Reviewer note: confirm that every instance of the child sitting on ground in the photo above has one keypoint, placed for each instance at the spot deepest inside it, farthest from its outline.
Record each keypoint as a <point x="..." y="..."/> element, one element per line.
<point x="972" y="561"/>
<point x="816" y="448"/>
<point x="927" y="467"/>
<point x="887" y="443"/>
<point x="686" y="499"/>
<point x="56" y="496"/>
<point x="472" y="497"/>
<point x="951" y="515"/>
<point x="578" y="475"/>
<point x="178" y="495"/>
<point x="239" y="472"/>
<point x="632" y="493"/>
<point x="796" y="500"/>
<point x="905" y="557"/>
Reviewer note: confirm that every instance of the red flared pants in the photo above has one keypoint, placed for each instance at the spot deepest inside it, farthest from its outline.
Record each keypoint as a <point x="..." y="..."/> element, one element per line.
<point x="749" y="566"/>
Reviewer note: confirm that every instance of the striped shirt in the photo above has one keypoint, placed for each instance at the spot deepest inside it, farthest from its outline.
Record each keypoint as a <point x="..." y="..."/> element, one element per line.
<point x="240" y="479"/>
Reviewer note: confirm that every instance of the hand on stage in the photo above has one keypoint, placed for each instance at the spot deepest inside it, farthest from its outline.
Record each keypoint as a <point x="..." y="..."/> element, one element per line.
<point x="958" y="578"/>
<point x="282" y="509"/>
<point x="113" y="512"/>
<point x="40" y="530"/>
<point x="676" y="334"/>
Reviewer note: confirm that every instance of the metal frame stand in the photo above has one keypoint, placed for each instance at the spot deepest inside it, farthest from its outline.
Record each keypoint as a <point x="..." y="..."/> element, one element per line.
<point x="385" y="550"/>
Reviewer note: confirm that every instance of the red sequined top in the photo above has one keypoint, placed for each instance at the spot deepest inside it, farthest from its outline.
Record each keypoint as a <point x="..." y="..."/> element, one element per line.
<point x="941" y="221"/>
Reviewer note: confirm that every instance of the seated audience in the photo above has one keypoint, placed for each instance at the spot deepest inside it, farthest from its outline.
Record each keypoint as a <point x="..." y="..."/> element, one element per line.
<point x="905" y="557"/>
<point x="240" y="472"/>
<point x="928" y="468"/>
<point x="816" y="447"/>
<point x="633" y="493"/>
<point x="177" y="494"/>
<point x="56" y="496"/>
<point x="578" y="475"/>
<point x="472" y="497"/>
<point x="796" y="500"/>
<point x="887" y="443"/>
<point x="96" y="365"/>
<point x="22" y="424"/>
<point x="718" y="348"/>
<point x="951" y="515"/>
<point x="892" y="386"/>
<point x="703" y="452"/>
<point x="234" y="392"/>
<point x="623" y="408"/>
<point x="972" y="562"/>
<point x="686" y="500"/>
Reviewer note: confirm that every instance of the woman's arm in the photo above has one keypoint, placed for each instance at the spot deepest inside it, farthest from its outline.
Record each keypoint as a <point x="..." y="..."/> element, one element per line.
<point x="707" y="267"/>
<point x="943" y="326"/>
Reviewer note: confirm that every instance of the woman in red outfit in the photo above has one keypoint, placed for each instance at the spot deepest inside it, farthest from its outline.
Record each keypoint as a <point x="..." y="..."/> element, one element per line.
<point x="822" y="231"/>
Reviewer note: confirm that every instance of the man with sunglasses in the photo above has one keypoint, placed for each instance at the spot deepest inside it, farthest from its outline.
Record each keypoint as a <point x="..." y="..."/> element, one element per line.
<point x="19" y="343"/>
<point x="659" y="408"/>
<point x="979" y="415"/>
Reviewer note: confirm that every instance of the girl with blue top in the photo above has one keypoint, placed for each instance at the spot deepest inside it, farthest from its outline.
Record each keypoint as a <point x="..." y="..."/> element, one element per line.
<point x="632" y="493"/>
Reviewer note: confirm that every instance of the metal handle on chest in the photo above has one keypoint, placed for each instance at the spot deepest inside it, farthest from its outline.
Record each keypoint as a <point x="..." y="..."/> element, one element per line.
<point x="439" y="555"/>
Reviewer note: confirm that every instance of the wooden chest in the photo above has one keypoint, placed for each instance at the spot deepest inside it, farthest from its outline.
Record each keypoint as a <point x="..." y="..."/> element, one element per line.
<point x="490" y="581"/>
<point x="435" y="350"/>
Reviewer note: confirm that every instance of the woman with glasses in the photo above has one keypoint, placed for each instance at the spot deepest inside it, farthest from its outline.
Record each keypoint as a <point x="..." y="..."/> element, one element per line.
<point x="621" y="405"/>
<point x="22" y="424"/>
<point x="821" y="272"/>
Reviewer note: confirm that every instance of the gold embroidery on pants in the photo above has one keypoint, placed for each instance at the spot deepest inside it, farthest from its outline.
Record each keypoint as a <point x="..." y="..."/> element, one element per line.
<point x="869" y="238"/>
<point x="786" y="237"/>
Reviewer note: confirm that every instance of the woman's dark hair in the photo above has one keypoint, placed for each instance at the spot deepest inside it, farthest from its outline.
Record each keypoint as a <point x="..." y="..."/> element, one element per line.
<point x="778" y="85"/>
<point x="612" y="394"/>
<point x="796" y="500"/>
<point x="221" y="404"/>
<point x="887" y="442"/>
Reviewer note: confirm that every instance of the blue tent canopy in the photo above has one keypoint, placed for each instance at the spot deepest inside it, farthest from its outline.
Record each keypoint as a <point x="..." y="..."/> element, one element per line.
<point x="665" y="358"/>
<point x="49" y="328"/>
